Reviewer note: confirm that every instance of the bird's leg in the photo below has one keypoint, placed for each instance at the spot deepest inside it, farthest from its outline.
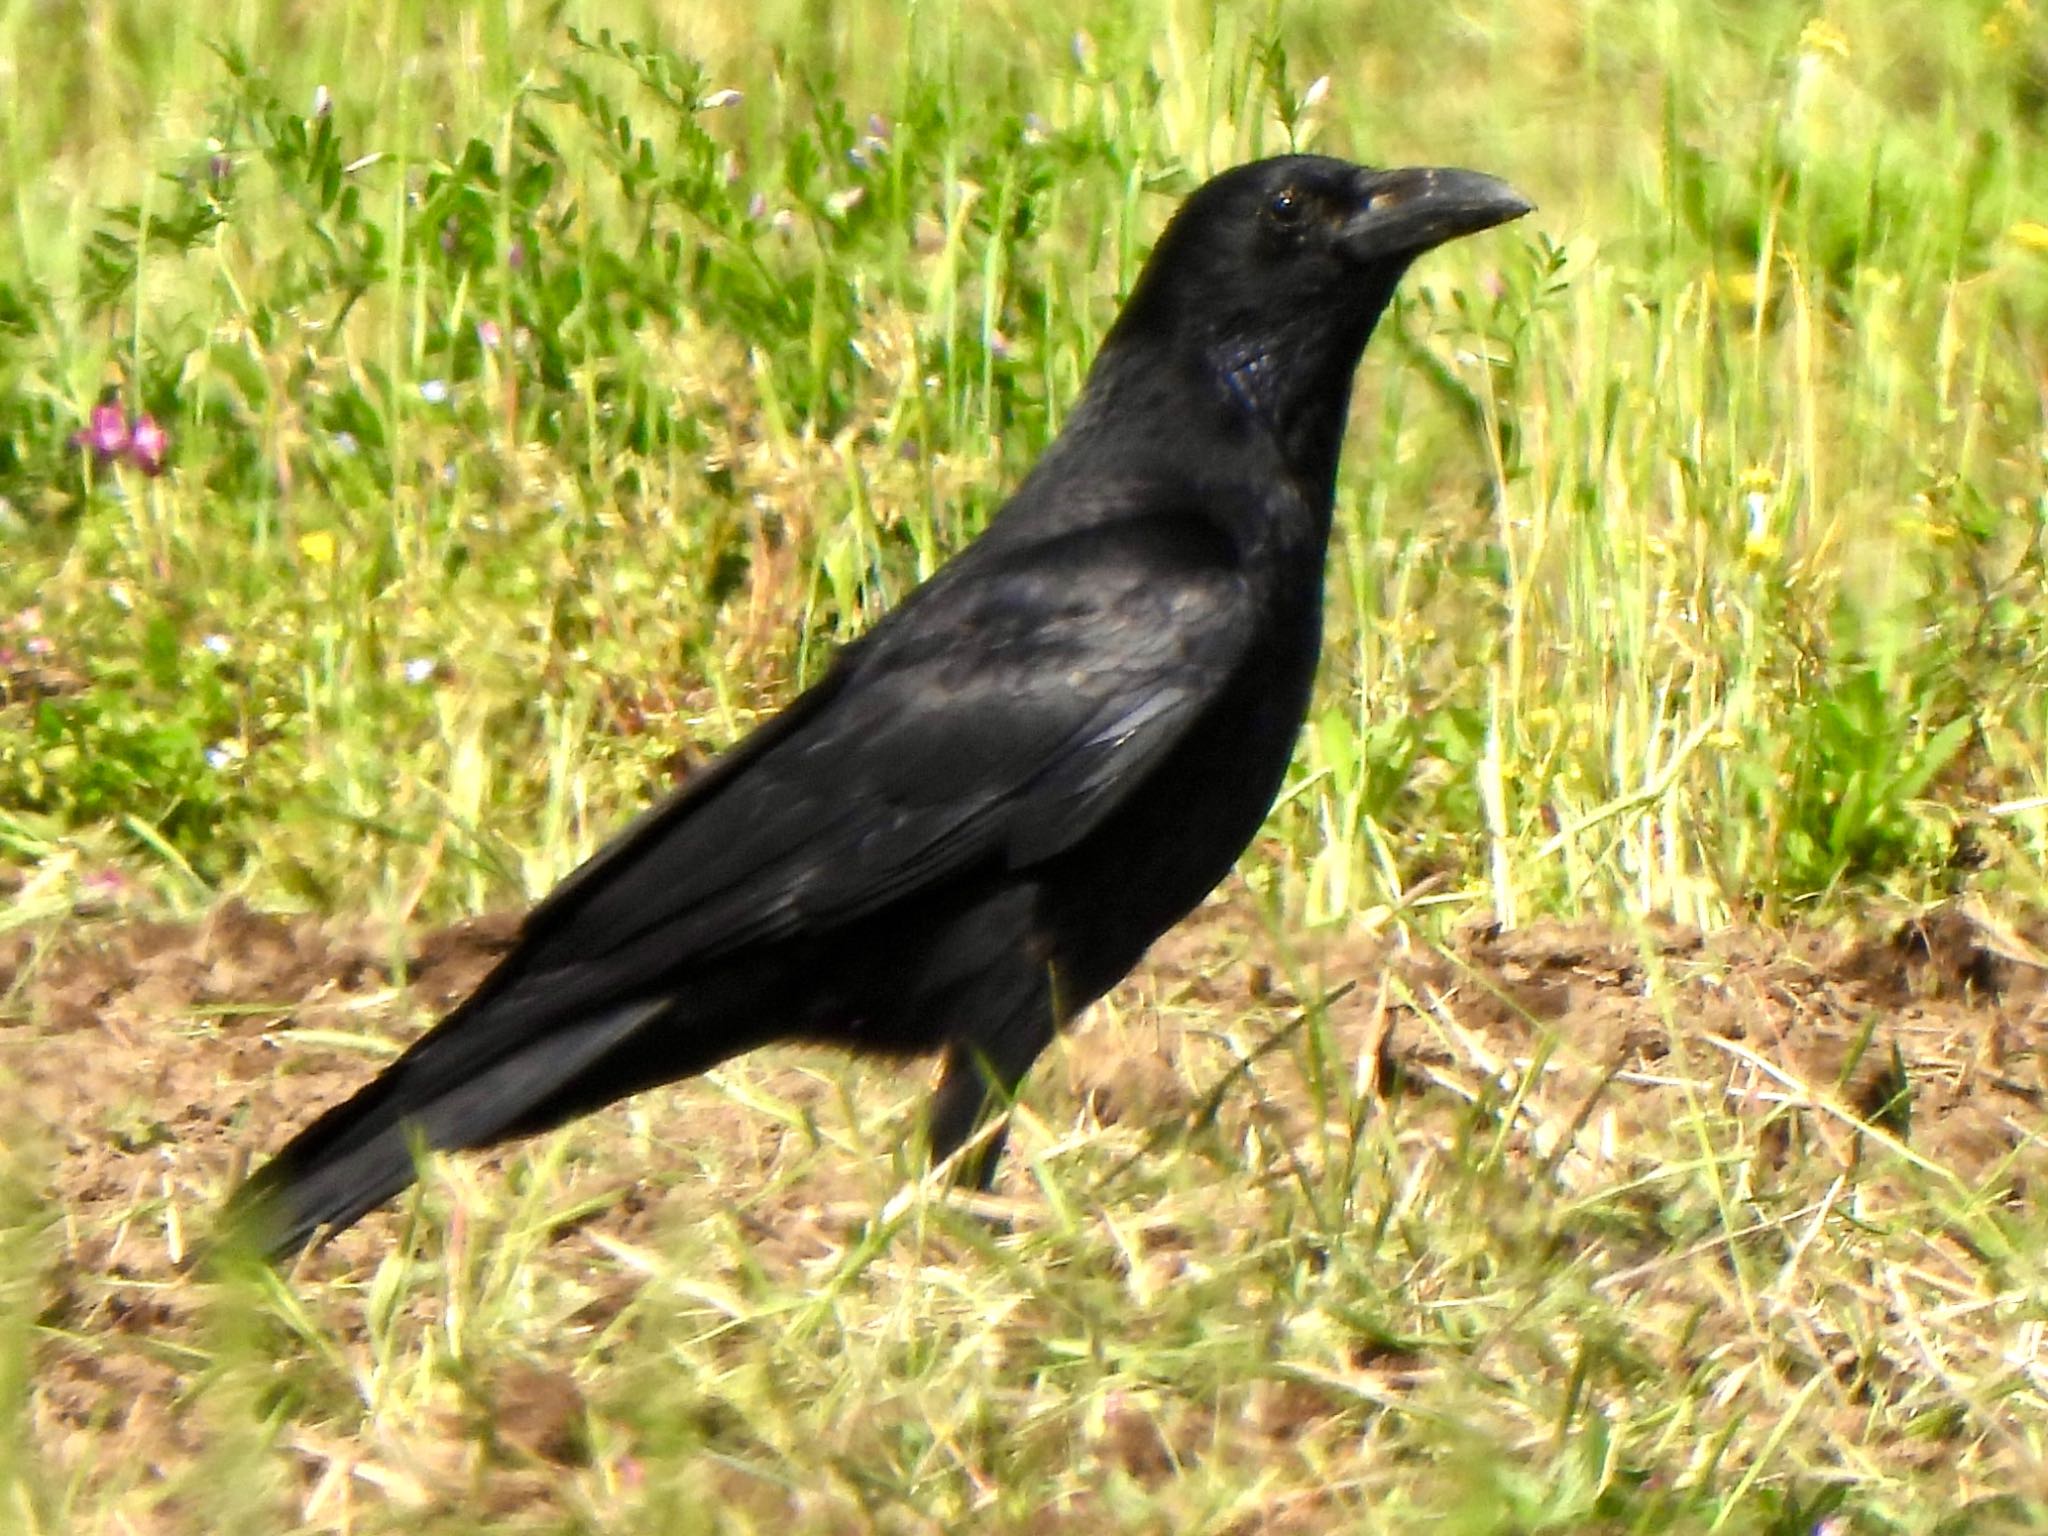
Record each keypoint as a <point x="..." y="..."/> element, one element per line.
<point x="981" y="1077"/>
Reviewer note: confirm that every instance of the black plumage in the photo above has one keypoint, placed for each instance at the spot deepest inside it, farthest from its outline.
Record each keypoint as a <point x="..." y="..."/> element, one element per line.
<point x="990" y="806"/>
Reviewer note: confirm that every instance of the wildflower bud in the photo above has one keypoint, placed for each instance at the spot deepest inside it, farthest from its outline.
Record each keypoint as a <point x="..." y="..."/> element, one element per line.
<point x="105" y="432"/>
<point x="149" y="445"/>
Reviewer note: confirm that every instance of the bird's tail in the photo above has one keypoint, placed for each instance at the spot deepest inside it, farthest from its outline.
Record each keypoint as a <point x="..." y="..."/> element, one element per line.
<point x="451" y="1090"/>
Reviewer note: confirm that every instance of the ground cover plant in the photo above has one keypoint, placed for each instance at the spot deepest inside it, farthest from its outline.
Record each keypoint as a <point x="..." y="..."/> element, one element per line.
<point x="1608" y="1098"/>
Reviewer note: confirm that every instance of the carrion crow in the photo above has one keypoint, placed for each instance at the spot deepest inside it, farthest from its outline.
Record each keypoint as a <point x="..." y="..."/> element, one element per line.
<point x="994" y="801"/>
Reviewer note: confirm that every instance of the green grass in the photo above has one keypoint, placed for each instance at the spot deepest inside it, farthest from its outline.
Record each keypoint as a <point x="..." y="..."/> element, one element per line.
<point x="542" y="413"/>
<point x="1689" y="554"/>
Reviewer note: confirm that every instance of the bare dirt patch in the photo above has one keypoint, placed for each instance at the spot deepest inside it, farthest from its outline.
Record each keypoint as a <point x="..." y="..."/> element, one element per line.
<point x="144" y="1066"/>
<point x="155" y="1061"/>
<point x="1932" y="1029"/>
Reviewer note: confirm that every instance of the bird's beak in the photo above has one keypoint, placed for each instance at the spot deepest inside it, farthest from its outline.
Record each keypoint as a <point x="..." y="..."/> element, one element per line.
<point x="1406" y="212"/>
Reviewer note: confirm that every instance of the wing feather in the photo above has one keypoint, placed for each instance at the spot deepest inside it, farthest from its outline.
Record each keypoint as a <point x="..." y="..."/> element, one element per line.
<point x="991" y="721"/>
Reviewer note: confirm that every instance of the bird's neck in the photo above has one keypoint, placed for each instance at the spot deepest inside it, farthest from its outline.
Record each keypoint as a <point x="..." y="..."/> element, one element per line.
<point x="1292" y="388"/>
<point x="1301" y="402"/>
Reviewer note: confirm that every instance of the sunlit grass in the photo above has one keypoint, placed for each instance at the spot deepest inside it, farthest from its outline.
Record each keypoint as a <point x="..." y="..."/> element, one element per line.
<point x="613" y="385"/>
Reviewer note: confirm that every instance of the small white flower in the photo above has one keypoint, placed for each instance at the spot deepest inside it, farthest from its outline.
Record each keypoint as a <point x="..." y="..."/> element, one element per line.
<point x="420" y="669"/>
<point x="323" y="101"/>
<point x="218" y="644"/>
<point x="434" y="391"/>
<point x="725" y="98"/>
<point x="345" y="442"/>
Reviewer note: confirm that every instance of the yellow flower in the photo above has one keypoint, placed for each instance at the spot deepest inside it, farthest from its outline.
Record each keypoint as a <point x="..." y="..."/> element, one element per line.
<point x="2006" y="24"/>
<point x="1822" y="36"/>
<point x="317" y="546"/>
<point x="1738" y="287"/>
<point x="1757" y="477"/>
<point x="2031" y="233"/>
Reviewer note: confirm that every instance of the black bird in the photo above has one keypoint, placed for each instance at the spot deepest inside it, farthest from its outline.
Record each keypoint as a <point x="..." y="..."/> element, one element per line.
<point x="993" y="802"/>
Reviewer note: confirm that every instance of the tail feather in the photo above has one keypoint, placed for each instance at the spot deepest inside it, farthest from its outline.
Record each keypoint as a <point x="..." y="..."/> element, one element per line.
<point x="360" y="1153"/>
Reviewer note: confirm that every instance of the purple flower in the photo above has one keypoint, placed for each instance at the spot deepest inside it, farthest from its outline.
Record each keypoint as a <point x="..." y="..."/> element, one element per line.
<point x="487" y="334"/>
<point x="874" y="144"/>
<point x="149" y="445"/>
<point x="515" y="258"/>
<point x="105" y="432"/>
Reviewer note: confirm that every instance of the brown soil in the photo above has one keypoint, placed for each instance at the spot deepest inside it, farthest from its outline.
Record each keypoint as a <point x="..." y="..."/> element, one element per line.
<point x="163" y="1058"/>
<point x="144" y="1065"/>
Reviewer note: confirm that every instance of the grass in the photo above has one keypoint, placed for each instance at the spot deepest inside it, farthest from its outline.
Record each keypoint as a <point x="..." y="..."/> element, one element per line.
<point x="550" y="387"/>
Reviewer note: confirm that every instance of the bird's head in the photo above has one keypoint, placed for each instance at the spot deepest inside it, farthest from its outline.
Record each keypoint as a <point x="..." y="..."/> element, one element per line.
<point x="1304" y="239"/>
<point x="1272" y="275"/>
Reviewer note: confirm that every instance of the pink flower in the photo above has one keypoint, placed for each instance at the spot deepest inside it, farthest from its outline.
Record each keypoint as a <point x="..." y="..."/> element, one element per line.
<point x="149" y="445"/>
<point x="105" y="432"/>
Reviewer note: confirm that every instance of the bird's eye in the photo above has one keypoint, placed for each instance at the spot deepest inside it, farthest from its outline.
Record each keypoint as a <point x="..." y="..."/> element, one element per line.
<point x="1286" y="206"/>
